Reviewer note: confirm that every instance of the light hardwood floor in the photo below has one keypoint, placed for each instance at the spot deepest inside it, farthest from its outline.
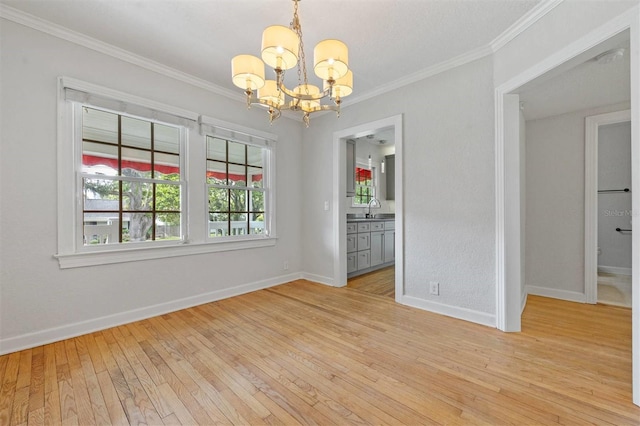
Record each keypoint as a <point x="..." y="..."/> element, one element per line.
<point x="380" y="282"/>
<point x="311" y="354"/>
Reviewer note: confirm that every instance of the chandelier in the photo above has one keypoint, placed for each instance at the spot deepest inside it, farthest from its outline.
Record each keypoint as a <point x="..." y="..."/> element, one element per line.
<point x="283" y="49"/>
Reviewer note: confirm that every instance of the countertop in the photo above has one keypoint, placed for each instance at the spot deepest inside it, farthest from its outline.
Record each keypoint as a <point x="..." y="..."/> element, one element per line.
<point x="382" y="217"/>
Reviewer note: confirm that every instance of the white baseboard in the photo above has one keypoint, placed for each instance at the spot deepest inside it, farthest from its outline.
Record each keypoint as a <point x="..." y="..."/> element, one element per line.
<point x="523" y="302"/>
<point x="31" y="340"/>
<point x="614" y="270"/>
<point x="318" y="279"/>
<point x="465" y="314"/>
<point x="554" y="293"/>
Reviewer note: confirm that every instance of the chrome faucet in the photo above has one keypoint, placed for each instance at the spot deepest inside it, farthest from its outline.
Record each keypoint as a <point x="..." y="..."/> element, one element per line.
<point x="372" y="201"/>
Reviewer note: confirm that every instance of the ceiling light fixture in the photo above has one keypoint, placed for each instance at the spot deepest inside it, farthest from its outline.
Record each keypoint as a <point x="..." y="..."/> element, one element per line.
<point x="283" y="49"/>
<point x="610" y="56"/>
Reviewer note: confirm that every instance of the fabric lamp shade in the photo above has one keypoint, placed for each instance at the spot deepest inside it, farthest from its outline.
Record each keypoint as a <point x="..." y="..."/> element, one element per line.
<point x="343" y="86"/>
<point x="280" y="47"/>
<point x="311" y="90"/>
<point x="331" y="59"/>
<point x="270" y="93"/>
<point x="247" y="72"/>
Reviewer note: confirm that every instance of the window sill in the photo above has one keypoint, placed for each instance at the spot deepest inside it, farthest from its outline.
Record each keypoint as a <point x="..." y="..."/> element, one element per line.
<point x="79" y="260"/>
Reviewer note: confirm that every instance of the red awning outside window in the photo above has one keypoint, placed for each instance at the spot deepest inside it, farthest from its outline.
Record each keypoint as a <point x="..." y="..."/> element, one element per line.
<point x="92" y="160"/>
<point x="362" y="175"/>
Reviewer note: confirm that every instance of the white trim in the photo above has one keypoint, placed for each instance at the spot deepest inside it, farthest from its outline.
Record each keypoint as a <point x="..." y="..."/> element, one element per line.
<point x="30" y="340"/>
<point x="318" y="279"/>
<point x="61" y="32"/>
<point x="523" y="303"/>
<point x="465" y="314"/>
<point x="116" y="95"/>
<point x="614" y="270"/>
<point x="235" y="128"/>
<point x="522" y="24"/>
<point x="634" y="24"/>
<point x="628" y="20"/>
<point x="592" y="124"/>
<point x="570" y="296"/>
<point x="503" y="175"/>
<point x="339" y="199"/>
<point x="415" y="77"/>
<point x="82" y="259"/>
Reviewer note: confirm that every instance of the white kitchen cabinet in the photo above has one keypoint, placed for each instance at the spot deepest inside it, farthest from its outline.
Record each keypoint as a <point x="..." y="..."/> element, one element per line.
<point x="389" y="246"/>
<point x="352" y="262"/>
<point x="377" y="247"/>
<point x="352" y="243"/>
<point x="364" y="241"/>
<point x="370" y="245"/>
<point x="364" y="259"/>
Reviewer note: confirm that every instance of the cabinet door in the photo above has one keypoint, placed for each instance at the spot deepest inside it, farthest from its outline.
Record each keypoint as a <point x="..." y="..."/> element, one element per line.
<point x="352" y="244"/>
<point x="351" y="168"/>
<point x="390" y="175"/>
<point x="364" y="260"/>
<point x="352" y="263"/>
<point x="389" y="246"/>
<point x="377" y="248"/>
<point x="364" y="241"/>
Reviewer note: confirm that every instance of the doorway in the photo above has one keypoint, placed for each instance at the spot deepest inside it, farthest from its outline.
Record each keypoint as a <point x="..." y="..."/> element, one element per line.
<point x="393" y="127"/>
<point x="608" y="209"/>
<point x="508" y="197"/>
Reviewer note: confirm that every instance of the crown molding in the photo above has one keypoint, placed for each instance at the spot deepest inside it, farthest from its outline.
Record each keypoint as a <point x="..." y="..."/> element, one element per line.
<point x="421" y="75"/>
<point x="64" y="33"/>
<point x="61" y="32"/>
<point x="528" y="19"/>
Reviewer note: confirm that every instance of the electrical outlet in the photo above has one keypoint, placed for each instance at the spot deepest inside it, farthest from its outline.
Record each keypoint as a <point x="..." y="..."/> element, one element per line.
<point x="434" y="288"/>
<point x="285" y="266"/>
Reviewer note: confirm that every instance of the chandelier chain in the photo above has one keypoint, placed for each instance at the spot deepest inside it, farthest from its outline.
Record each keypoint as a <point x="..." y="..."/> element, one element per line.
<point x="295" y="25"/>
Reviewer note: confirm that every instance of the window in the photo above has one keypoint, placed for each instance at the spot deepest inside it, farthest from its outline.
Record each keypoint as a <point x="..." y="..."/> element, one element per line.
<point x="236" y="188"/>
<point x="129" y="189"/>
<point x="130" y="178"/>
<point x="365" y="185"/>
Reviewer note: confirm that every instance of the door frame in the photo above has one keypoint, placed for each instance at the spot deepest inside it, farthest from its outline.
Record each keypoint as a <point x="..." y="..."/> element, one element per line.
<point x="339" y="199"/>
<point x="592" y="125"/>
<point x="507" y="316"/>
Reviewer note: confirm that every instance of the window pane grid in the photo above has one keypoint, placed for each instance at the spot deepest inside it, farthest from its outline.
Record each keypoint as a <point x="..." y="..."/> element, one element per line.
<point x="235" y="188"/>
<point x="144" y="196"/>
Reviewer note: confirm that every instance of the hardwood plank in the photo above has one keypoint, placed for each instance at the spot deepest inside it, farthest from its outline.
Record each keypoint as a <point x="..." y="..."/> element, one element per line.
<point x="303" y="353"/>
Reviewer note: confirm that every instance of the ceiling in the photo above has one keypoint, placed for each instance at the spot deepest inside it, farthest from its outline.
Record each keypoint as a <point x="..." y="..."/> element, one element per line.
<point x="388" y="39"/>
<point x="581" y="83"/>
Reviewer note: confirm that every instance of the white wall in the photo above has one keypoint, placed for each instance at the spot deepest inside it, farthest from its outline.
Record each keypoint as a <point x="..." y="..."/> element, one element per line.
<point x="36" y="295"/>
<point x="554" y="230"/>
<point x="614" y="209"/>
<point x="564" y="24"/>
<point x="449" y="188"/>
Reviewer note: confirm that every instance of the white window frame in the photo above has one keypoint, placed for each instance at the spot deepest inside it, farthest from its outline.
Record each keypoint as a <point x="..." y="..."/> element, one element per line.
<point x="77" y="141"/>
<point x="71" y="250"/>
<point x="211" y="127"/>
<point x="374" y="187"/>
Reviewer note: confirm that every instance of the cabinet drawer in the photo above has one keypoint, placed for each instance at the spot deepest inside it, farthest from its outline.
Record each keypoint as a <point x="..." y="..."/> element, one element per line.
<point x="352" y="243"/>
<point x="377" y="226"/>
<point x="364" y="227"/>
<point x="352" y="228"/>
<point x="364" y="260"/>
<point x="364" y="242"/>
<point x="389" y="224"/>
<point x="352" y="263"/>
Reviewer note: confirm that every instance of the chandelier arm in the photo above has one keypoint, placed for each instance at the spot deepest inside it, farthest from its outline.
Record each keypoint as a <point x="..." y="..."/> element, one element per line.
<point x="304" y="97"/>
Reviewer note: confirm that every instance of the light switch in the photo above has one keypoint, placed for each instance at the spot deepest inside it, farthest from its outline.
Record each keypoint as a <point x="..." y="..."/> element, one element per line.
<point x="326" y="206"/>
